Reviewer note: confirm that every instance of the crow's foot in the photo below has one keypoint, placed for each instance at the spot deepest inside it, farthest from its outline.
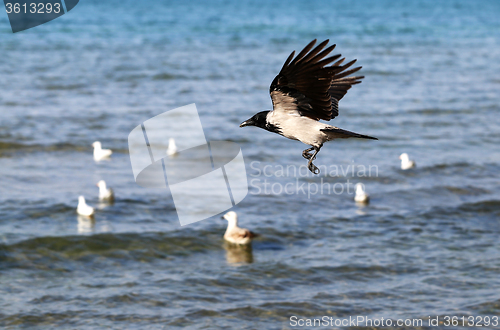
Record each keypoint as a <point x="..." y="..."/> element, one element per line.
<point x="312" y="167"/>
<point x="306" y="153"/>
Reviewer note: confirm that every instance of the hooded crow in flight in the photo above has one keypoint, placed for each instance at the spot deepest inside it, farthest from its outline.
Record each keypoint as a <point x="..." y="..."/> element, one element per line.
<point x="305" y="91"/>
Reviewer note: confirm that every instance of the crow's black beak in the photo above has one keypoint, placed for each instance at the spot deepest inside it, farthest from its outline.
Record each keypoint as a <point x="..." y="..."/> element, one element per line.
<point x="248" y="122"/>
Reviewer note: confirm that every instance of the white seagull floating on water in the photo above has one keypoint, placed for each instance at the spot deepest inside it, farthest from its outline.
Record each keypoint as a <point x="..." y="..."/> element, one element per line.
<point x="105" y="193"/>
<point x="235" y="234"/>
<point x="361" y="196"/>
<point x="100" y="153"/>
<point x="172" y="148"/>
<point x="406" y="163"/>
<point x="83" y="208"/>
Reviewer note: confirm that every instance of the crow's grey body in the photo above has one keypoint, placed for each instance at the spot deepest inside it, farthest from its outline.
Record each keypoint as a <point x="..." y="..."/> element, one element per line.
<point x="305" y="91"/>
<point x="301" y="128"/>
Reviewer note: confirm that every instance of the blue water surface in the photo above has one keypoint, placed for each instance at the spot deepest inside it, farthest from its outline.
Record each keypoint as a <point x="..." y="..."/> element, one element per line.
<point x="427" y="245"/>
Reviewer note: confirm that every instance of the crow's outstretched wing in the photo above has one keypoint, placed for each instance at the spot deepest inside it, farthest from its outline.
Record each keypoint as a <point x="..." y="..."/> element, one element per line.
<point x="306" y="86"/>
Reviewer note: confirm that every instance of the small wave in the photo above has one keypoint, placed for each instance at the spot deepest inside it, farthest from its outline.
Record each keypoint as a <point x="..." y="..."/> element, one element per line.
<point x="12" y="146"/>
<point x="129" y="77"/>
<point x="26" y="147"/>
<point x="167" y="76"/>
<point x="36" y="212"/>
<point x="381" y="73"/>
<point x="441" y="111"/>
<point x="55" y="252"/>
<point x="460" y="168"/>
<point x="487" y="307"/>
<point x="66" y="86"/>
<point x="489" y="206"/>
<point x="483" y="212"/>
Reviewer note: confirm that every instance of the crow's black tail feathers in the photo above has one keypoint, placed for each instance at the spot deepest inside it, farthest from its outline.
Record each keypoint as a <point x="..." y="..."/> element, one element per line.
<point x="342" y="134"/>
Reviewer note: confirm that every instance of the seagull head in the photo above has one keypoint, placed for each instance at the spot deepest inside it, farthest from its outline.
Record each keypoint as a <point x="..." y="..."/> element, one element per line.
<point x="171" y="143"/>
<point x="259" y="120"/>
<point x="360" y="189"/>
<point x="81" y="200"/>
<point x="172" y="148"/>
<point x="101" y="184"/>
<point x="404" y="157"/>
<point x="231" y="217"/>
<point x="96" y="144"/>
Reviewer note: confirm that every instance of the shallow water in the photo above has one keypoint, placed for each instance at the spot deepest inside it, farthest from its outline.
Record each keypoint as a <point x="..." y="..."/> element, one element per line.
<point x="427" y="245"/>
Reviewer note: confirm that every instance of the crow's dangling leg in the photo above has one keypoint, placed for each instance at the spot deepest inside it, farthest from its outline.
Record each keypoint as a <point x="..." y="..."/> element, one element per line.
<point x="306" y="153"/>
<point x="310" y="165"/>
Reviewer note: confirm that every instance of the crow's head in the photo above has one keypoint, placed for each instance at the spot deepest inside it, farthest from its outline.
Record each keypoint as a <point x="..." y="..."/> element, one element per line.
<point x="259" y="120"/>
